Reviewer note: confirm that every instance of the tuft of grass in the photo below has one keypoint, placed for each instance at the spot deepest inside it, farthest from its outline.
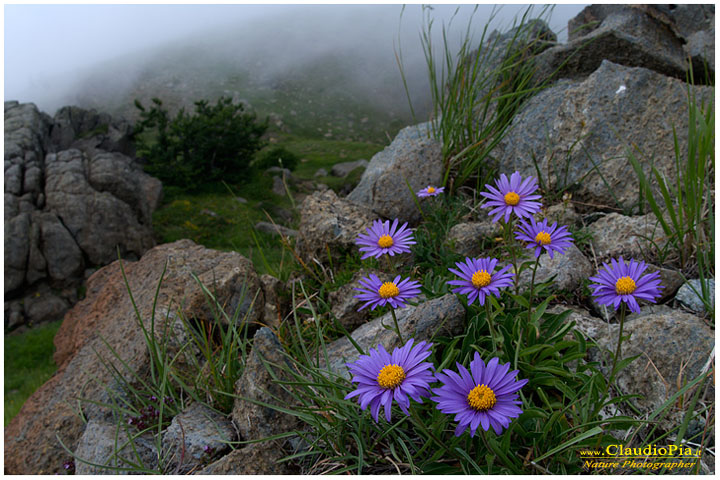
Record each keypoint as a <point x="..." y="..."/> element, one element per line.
<point x="685" y="209"/>
<point x="476" y="91"/>
<point x="28" y="364"/>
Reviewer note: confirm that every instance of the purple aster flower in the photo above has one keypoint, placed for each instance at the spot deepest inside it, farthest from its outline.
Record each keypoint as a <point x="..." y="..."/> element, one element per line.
<point x="479" y="279"/>
<point x="382" y="377"/>
<point x="625" y="282"/>
<point x="383" y="238"/>
<point x="376" y="293"/>
<point x="512" y="196"/>
<point x="541" y="236"/>
<point x="430" y="191"/>
<point x="486" y="396"/>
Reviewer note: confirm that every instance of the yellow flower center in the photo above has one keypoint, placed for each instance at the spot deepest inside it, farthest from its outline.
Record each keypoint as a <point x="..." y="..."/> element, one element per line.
<point x="543" y="238"/>
<point x="385" y="241"/>
<point x="388" y="289"/>
<point x="512" y="199"/>
<point x="481" y="398"/>
<point x="481" y="278"/>
<point x="625" y="286"/>
<point x="431" y="190"/>
<point x="391" y="376"/>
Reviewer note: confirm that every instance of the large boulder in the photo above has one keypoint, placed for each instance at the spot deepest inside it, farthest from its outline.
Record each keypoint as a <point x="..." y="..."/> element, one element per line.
<point x="106" y="320"/>
<point x="577" y="134"/>
<point x="634" y="36"/>
<point x="415" y="157"/>
<point x="632" y="237"/>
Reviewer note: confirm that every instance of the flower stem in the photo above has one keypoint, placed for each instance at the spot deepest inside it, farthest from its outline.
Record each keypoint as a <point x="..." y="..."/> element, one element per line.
<point x="532" y="288"/>
<point x="509" y="240"/>
<point x="397" y="327"/>
<point x="490" y="323"/>
<point x="484" y="440"/>
<point x="617" y="350"/>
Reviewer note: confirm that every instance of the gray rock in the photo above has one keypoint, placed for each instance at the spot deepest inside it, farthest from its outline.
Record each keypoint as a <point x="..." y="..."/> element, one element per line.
<point x="466" y="238"/>
<point x="14" y="179"/>
<point x="108" y="444"/>
<point x="196" y="435"/>
<point x="44" y="307"/>
<point x="413" y="156"/>
<point x="579" y="132"/>
<point x="17" y="233"/>
<point x="344" y="168"/>
<point x="568" y="269"/>
<point x="690" y="294"/>
<point x="563" y="213"/>
<point x="63" y="256"/>
<point x="278" y="187"/>
<point x="256" y="421"/>
<point x="74" y="127"/>
<point x="700" y="47"/>
<point x="688" y="19"/>
<point x="442" y="316"/>
<point x="670" y="280"/>
<point x="13" y="315"/>
<point x="254" y="459"/>
<point x="674" y="347"/>
<point x="321" y="172"/>
<point x="344" y="305"/>
<point x="329" y="223"/>
<point x="275" y="304"/>
<point x="615" y="235"/>
<point x="275" y="229"/>
<point x="98" y="221"/>
<point x="622" y="34"/>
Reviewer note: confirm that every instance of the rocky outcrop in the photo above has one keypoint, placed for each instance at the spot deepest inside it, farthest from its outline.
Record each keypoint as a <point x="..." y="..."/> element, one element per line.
<point x="106" y="320"/>
<point x="415" y="157"/>
<point x="577" y="134"/>
<point x="73" y="200"/>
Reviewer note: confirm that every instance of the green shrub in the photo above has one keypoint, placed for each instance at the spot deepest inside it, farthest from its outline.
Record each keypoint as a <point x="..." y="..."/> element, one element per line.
<point x="276" y="157"/>
<point x="216" y="142"/>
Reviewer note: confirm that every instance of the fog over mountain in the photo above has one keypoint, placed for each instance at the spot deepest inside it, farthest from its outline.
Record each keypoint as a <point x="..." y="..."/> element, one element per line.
<point x="103" y="56"/>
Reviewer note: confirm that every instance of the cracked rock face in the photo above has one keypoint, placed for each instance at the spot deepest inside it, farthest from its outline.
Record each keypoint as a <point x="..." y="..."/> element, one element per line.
<point x="73" y="198"/>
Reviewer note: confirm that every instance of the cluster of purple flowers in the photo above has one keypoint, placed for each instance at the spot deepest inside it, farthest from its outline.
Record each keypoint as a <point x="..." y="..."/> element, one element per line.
<point x="486" y="395"/>
<point x="148" y="416"/>
<point x="69" y="467"/>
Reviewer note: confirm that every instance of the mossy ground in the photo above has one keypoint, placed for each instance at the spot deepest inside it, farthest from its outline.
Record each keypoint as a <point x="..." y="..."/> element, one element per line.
<point x="28" y="364"/>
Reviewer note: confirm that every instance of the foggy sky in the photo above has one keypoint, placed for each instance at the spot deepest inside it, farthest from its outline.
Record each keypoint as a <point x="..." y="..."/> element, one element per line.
<point x="51" y="49"/>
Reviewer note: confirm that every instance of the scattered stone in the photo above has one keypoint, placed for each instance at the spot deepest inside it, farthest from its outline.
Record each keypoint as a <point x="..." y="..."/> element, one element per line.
<point x="690" y="294"/>
<point x="467" y="238"/>
<point x="329" y="224"/>
<point x="275" y="229"/>
<point x="345" y="305"/>
<point x="442" y="316"/>
<point x="674" y="348"/>
<point x="568" y="269"/>
<point x="278" y="187"/>
<point x="241" y="200"/>
<point x="254" y="459"/>
<point x="413" y="156"/>
<point x="321" y="172"/>
<point x="275" y="305"/>
<point x="344" y="168"/>
<point x="563" y="213"/>
<point x="670" y="280"/>
<point x="256" y="421"/>
<point x="632" y="237"/>
<point x="104" y="443"/>
<point x="198" y="434"/>
<point x="209" y="213"/>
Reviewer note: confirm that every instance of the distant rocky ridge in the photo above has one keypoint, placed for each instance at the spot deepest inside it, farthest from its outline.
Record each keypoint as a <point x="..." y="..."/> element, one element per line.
<point x="74" y="196"/>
